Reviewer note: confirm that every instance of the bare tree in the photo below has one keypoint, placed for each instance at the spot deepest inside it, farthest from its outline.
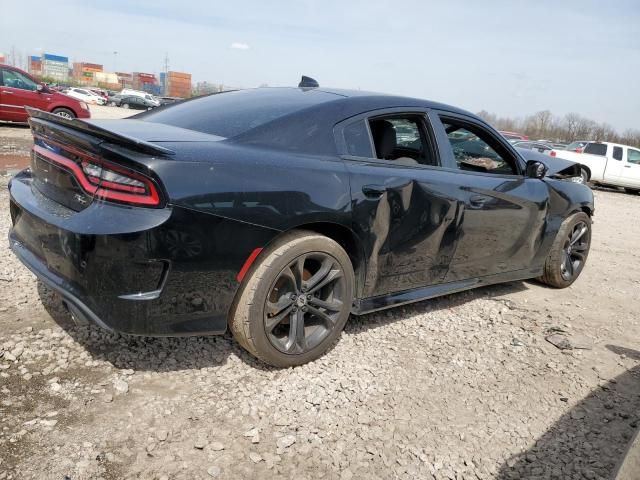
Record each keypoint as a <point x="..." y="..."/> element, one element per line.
<point x="571" y="127"/>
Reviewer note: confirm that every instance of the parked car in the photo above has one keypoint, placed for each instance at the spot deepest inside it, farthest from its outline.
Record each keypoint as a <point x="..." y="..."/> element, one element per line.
<point x="141" y="94"/>
<point x="299" y="207"/>
<point x="537" y="146"/>
<point x="513" y="135"/>
<point x="132" y="101"/>
<point x="18" y="90"/>
<point x="607" y="164"/>
<point x="84" y="95"/>
<point x="168" y="100"/>
<point x="577" y="146"/>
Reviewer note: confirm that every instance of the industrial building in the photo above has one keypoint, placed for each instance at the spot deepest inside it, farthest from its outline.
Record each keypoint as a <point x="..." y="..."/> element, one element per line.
<point x="178" y="84"/>
<point x="55" y="67"/>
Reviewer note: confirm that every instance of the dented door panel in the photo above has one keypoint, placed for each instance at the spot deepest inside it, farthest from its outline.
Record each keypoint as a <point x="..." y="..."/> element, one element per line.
<point x="409" y="227"/>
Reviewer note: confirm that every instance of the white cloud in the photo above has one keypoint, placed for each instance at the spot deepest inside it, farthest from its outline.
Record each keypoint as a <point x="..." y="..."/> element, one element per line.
<point x="240" y="46"/>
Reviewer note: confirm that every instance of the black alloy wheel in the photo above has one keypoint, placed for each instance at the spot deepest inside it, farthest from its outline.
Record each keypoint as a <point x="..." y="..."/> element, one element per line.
<point x="304" y="304"/>
<point x="568" y="254"/>
<point x="294" y="300"/>
<point x="575" y="249"/>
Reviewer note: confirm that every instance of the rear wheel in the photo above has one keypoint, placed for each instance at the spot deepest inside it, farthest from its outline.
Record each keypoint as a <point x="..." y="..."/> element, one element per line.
<point x="296" y="301"/>
<point x="569" y="251"/>
<point x="634" y="191"/>
<point x="64" y="112"/>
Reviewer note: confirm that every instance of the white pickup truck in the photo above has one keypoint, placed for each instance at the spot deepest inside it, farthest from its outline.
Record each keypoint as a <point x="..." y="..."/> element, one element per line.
<point x="607" y="164"/>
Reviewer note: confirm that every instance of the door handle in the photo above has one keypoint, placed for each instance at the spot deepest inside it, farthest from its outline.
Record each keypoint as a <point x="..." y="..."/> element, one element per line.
<point x="7" y="92"/>
<point x="374" y="191"/>
<point x="477" y="201"/>
<point x="627" y="166"/>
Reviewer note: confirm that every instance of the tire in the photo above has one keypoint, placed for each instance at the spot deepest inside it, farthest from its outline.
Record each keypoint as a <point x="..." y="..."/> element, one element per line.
<point x="271" y="282"/>
<point x="125" y="105"/>
<point x="585" y="175"/>
<point x="64" y="112"/>
<point x="558" y="271"/>
<point x="633" y="191"/>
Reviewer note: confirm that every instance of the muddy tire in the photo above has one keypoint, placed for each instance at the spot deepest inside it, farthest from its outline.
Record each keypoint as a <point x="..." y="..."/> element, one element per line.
<point x="295" y="300"/>
<point x="569" y="251"/>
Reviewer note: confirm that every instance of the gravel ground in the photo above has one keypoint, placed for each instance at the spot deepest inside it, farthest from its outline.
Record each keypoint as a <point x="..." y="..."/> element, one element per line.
<point x="462" y="387"/>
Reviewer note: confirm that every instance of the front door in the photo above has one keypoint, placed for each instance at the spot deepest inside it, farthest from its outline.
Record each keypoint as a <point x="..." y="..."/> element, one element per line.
<point x="16" y="92"/>
<point x="503" y="213"/>
<point x="631" y="169"/>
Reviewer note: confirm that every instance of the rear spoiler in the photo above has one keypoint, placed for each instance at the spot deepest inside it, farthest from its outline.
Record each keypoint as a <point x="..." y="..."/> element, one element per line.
<point x="103" y="133"/>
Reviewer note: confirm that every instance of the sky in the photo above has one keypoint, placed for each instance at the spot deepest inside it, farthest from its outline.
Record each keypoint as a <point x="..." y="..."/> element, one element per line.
<point x="512" y="58"/>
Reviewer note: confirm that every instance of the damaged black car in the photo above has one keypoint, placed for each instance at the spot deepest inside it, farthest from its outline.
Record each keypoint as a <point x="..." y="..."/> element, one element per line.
<point x="279" y="212"/>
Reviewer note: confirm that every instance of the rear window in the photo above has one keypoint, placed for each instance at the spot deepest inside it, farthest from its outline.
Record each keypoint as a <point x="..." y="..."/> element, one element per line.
<point x="596" y="149"/>
<point x="232" y="113"/>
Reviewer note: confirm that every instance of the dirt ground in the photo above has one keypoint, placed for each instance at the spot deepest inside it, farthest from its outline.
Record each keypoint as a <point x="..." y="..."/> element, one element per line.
<point x="461" y="387"/>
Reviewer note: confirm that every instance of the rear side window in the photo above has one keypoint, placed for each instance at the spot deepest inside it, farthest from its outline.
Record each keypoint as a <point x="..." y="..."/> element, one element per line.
<point x="596" y="149"/>
<point x="617" y="153"/>
<point x="232" y="113"/>
<point x="356" y="137"/>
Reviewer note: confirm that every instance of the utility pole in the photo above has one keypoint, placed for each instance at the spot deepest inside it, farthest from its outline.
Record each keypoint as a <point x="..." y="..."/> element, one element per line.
<point x="13" y="55"/>
<point x="166" y="73"/>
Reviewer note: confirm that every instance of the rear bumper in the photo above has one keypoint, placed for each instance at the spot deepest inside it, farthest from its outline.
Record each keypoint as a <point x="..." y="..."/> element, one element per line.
<point x="139" y="271"/>
<point x="55" y="282"/>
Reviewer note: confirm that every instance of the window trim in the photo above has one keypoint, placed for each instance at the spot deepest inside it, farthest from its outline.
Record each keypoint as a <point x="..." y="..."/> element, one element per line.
<point x="422" y="113"/>
<point x="437" y="125"/>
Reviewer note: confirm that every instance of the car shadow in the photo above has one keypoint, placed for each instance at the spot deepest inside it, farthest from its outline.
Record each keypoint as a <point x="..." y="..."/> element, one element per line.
<point x="591" y="439"/>
<point x="161" y="354"/>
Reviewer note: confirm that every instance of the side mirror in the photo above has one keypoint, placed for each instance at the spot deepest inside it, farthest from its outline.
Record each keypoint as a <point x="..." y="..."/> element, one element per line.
<point x="536" y="169"/>
<point x="41" y="88"/>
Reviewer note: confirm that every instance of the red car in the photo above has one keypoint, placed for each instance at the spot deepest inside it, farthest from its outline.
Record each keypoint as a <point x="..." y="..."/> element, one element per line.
<point x="513" y="135"/>
<point x="19" y="89"/>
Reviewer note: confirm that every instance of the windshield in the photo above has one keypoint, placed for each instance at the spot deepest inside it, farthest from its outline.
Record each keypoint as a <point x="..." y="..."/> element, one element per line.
<point x="231" y="113"/>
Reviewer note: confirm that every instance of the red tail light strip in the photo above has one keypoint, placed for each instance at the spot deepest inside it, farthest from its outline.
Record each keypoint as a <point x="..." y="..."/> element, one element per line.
<point x="107" y="190"/>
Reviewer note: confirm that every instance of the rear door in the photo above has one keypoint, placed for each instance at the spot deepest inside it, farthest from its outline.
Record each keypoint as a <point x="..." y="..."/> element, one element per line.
<point x="404" y="204"/>
<point x="502" y="212"/>
<point x="16" y="91"/>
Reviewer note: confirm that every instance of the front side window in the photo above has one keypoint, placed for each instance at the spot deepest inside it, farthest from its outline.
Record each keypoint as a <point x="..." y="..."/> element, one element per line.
<point x="13" y="79"/>
<point x="633" y="156"/>
<point x="474" y="150"/>
<point x="401" y="139"/>
<point x="596" y="149"/>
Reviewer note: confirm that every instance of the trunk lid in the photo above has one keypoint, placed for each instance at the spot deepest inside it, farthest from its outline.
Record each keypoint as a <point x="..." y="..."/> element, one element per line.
<point x="75" y="161"/>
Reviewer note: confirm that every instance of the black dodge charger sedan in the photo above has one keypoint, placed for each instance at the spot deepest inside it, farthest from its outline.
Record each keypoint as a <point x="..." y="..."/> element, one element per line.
<point x="280" y="211"/>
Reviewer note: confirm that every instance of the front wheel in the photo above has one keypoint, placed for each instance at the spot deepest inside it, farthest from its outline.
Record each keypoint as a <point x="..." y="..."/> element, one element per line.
<point x="64" y="112"/>
<point x="296" y="300"/>
<point x="569" y="251"/>
<point x="633" y="191"/>
<point x="125" y="105"/>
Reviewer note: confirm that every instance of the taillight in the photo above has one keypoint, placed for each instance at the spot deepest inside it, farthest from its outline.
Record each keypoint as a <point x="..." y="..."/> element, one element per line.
<point x="104" y="179"/>
<point x="552" y="153"/>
